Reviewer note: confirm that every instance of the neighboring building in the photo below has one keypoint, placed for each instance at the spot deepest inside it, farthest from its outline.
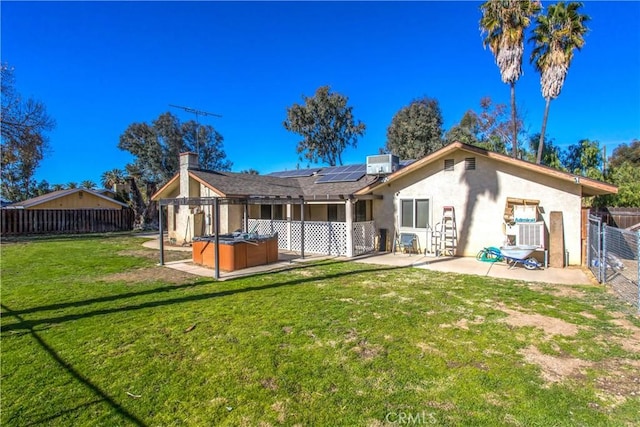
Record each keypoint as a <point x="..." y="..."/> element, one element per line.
<point x="75" y="198"/>
<point x="347" y="211"/>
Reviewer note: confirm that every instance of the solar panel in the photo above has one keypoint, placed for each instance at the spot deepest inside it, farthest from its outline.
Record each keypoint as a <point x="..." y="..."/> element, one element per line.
<point x="343" y="169"/>
<point x="294" y="173"/>
<point x="341" y="177"/>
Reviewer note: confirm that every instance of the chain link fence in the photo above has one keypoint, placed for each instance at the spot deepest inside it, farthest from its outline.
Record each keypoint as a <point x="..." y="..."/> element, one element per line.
<point x="613" y="255"/>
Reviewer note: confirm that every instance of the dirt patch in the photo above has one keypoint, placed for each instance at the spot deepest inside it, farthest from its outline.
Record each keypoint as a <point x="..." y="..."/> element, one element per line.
<point x="151" y="274"/>
<point x="631" y="342"/>
<point x="280" y="408"/>
<point x="554" y="369"/>
<point x="269" y="384"/>
<point x="366" y="350"/>
<point x="155" y="255"/>
<point x="619" y="381"/>
<point x="550" y="325"/>
<point x="566" y="291"/>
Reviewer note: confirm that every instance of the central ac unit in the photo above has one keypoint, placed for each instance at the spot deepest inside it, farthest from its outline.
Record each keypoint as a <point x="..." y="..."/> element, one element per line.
<point x="382" y="164"/>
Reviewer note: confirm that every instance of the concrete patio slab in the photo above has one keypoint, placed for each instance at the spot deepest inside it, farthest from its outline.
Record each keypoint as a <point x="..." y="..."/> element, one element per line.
<point x="461" y="265"/>
<point x="468" y="265"/>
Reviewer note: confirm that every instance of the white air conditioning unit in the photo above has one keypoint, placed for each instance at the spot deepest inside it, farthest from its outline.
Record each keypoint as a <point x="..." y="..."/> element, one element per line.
<point x="531" y="234"/>
<point x="382" y="164"/>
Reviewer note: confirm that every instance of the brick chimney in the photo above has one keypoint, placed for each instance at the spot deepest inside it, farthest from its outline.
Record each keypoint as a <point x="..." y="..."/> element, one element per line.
<point x="188" y="161"/>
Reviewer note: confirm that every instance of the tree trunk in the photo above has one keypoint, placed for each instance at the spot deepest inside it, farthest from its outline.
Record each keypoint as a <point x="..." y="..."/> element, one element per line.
<point x="513" y="121"/>
<point x="544" y="129"/>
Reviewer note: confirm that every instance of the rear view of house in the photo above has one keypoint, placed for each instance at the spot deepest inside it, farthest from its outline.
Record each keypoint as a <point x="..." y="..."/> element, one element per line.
<point x="454" y="201"/>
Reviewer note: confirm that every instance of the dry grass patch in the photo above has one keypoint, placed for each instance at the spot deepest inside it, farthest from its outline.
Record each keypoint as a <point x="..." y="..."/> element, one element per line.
<point x="550" y="325"/>
<point x="554" y="369"/>
<point x="150" y="274"/>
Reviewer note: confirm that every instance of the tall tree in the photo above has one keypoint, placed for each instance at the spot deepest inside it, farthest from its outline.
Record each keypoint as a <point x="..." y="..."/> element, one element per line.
<point x="250" y="171"/>
<point x="626" y="153"/>
<point x="416" y="129"/>
<point x="465" y="131"/>
<point x="504" y="23"/>
<point x="156" y="148"/>
<point x="626" y="176"/>
<point x="551" y="155"/>
<point x="326" y="124"/>
<point x="557" y="34"/>
<point x="208" y="143"/>
<point x="88" y="184"/>
<point x="42" y="188"/>
<point x="112" y="177"/>
<point x="24" y="124"/>
<point x="584" y="158"/>
<point x="490" y="128"/>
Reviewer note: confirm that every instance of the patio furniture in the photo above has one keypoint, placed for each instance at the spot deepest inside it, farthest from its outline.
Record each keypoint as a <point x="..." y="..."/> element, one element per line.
<point x="408" y="243"/>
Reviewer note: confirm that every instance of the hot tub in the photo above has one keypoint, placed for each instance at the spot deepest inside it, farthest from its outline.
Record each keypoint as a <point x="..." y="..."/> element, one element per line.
<point x="236" y="251"/>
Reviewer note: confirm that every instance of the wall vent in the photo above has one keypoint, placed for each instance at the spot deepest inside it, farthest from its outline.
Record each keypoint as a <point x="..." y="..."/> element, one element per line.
<point x="470" y="163"/>
<point x="448" y="165"/>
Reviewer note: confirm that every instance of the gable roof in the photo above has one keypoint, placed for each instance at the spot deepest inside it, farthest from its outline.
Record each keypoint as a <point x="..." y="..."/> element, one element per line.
<point x="231" y="184"/>
<point x="590" y="187"/>
<point x="25" y="204"/>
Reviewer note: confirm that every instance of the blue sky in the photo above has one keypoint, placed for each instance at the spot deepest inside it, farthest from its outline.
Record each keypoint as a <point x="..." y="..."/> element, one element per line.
<point x="100" y="66"/>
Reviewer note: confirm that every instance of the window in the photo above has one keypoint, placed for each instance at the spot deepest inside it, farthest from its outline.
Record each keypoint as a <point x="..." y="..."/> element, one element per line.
<point x="470" y="163"/>
<point x="414" y="213"/>
<point x="422" y="213"/>
<point x="361" y="211"/>
<point x="278" y="212"/>
<point x="265" y="211"/>
<point x="406" y="213"/>
<point x="448" y="165"/>
<point x="332" y="212"/>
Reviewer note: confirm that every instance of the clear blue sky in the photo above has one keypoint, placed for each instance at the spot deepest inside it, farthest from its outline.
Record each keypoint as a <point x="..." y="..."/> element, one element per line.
<point x="102" y="66"/>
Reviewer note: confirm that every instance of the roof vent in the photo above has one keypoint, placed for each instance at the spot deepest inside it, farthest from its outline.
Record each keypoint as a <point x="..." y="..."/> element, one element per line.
<point x="382" y="164"/>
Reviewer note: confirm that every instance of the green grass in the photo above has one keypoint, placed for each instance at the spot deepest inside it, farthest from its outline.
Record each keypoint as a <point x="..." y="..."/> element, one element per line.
<point x="93" y="333"/>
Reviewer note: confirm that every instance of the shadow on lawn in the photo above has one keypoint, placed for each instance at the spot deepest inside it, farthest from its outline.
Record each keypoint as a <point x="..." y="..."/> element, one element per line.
<point x="30" y="324"/>
<point x="77" y="375"/>
<point x="63" y="305"/>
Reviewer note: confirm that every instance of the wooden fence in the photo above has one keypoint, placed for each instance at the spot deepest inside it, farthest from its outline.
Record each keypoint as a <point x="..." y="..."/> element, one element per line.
<point x="618" y="217"/>
<point x="17" y="222"/>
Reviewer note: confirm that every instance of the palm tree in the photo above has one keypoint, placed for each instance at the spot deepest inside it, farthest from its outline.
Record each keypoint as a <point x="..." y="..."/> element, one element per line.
<point x="112" y="177"/>
<point x="504" y="22"/>
<point x="89" y="185"/>
<point x="57" y="187"/>
<point x="556" y="35"/>
<point x="71" y="185"/>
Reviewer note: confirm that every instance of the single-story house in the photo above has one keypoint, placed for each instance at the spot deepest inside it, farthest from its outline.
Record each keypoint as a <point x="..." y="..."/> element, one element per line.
<point x="456" y="201"/>
<point x="73" y="198"/>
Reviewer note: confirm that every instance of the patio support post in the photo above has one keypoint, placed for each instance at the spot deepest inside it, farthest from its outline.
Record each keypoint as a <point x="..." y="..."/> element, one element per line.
<point x="289" y="224"/>
<point x="246" y="216"/>
<point x="216" y="227"/>
<point x="301" y="227"/>
<point x="160" y="225"/>
<point x="349" y="230"/>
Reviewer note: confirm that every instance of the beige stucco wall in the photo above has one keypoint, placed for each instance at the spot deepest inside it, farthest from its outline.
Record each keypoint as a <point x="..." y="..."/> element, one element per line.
<point x="479" y="197"/>
<point x="78" y="200"/>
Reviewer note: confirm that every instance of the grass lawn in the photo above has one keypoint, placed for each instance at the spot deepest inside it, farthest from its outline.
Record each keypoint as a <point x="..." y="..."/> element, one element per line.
<point x="94" y="333"/>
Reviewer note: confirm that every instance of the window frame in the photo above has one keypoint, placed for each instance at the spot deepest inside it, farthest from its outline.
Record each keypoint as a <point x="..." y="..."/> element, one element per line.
<point x="415" y="213"/>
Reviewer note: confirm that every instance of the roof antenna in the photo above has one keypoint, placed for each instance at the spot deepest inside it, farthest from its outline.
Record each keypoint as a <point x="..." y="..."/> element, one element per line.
<point x="197" y="113"/>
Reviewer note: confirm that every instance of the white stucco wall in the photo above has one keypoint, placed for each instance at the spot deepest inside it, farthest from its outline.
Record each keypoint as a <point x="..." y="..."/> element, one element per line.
<point x="479" y="198"/>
